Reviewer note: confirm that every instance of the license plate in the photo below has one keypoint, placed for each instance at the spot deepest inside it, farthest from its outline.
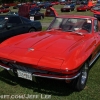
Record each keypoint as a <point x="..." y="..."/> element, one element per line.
<point x="25" y="75"/>
<point x="32" y="18"/>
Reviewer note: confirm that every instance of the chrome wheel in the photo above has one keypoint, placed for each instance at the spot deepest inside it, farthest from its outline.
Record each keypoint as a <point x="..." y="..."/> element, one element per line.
<point x="84" y="74"/>
<point x="80" y="82"/>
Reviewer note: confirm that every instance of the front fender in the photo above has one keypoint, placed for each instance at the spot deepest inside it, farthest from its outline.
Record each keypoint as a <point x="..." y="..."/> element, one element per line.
<point x="78" y="55"/>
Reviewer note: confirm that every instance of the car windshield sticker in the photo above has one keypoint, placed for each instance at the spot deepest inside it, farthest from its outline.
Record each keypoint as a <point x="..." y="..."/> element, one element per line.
<point x="88" y="21"/>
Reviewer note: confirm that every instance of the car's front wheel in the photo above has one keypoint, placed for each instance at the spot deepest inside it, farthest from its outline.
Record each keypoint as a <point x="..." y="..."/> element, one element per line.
<point x="80" y="82"/>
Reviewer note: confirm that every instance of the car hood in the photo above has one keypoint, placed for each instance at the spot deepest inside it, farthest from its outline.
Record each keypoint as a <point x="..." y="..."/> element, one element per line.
<point x="50" y="41"/>
<point x="46" y="46"/>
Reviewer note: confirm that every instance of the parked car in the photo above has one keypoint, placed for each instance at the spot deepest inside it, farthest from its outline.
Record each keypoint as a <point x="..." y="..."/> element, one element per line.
<point x="7" y="5"/>
<point x="78" y="2"/>
<point x="11" y="25"/>
<point x="83" y="8"/>
<point x="40" y="5"/>
<point x="61" y="52"/>
<point x="4" y="10"/>
<point x="63" y="2"/>
<point x="68" y="7"/>
<point x="96" y="7"/>
<point x="47" y="4"/>
<point x="55" y="2"/>
<point x="35" y="14"/>
<point x="96" y="13"/>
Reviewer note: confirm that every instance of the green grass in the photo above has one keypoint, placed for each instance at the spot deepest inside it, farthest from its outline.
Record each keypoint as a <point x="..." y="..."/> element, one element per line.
<point x="55" y="89"/>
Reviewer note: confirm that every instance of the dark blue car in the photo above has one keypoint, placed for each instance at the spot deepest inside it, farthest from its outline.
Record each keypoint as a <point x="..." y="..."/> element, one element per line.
<point x="68" y="7"/>
<point x="36" y="14"/>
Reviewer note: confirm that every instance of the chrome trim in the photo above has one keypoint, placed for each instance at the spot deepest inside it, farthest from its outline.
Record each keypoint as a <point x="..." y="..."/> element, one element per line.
<point x="11" y="72"/>
<point x="36" y="75"/>
<point x="4" y="67"/>
<point x="56" y="77"/>
<point x="94" y="59"/>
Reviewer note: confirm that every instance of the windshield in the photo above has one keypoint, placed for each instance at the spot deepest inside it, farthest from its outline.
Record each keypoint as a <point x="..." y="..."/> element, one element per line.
<point x="3" y="20"/>
<point x="71" y="24"/>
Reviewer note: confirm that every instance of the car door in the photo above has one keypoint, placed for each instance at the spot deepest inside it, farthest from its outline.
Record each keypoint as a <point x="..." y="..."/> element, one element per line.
<point x="97" y="39"/>
<point x="18" y="26"/>
<point x="5" y="32"/>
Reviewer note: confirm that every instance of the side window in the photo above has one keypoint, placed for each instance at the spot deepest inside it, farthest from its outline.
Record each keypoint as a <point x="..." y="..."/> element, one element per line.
<point x="14" y="20"/>
<point x="95" y="25"/>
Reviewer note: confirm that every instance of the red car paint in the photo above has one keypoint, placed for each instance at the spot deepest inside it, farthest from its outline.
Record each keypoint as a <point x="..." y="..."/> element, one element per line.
<point x="51" y="12"/>
<point x="83" y="8"/>
<point x="4" y="10"/>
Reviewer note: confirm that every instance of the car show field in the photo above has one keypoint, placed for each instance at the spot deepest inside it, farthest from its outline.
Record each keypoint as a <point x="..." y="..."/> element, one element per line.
<point x="50" y="89"/>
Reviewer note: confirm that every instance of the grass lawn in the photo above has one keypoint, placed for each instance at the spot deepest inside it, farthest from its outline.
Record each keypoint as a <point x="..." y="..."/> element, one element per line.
<point x="50" y="89"/>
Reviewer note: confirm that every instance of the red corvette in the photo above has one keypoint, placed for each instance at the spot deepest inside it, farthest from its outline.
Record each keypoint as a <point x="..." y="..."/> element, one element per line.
<point x="4" y="10"/>
<point x="83" y="8"/>
<point x="65" y="51"/>
<point x="54" y="3"/>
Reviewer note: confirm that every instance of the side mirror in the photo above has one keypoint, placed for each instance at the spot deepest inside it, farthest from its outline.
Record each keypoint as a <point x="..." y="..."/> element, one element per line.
<point x="9" y="25"/>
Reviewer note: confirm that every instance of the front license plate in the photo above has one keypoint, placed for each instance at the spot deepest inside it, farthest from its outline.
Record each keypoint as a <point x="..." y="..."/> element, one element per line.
<point x="25" y="75"/>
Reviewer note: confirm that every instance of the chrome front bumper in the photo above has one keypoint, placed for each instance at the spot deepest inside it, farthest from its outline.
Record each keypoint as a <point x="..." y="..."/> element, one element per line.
<point x="66" y="77"/>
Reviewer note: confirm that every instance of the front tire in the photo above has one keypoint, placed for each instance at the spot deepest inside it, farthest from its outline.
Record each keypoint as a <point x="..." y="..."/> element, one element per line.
<point x="80" y="82"/>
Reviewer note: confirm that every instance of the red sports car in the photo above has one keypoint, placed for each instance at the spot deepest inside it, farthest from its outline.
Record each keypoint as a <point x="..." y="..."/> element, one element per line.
<point x="65" y="51"/>
<point x="83" y="8"/>
<point x="54" y="3"/>
<point x="4" y="10"/>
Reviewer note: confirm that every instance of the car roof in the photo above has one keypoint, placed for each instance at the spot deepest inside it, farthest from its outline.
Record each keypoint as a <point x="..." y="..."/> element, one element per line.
<point x="7" y="15"/>
<point x="76" y="16"/>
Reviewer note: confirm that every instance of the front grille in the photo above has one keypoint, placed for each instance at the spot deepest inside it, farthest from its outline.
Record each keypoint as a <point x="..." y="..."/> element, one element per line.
<point x="28" y="68"/>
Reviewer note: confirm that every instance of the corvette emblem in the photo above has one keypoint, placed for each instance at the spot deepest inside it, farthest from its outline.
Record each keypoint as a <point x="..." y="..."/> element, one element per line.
<point x="30" y="49"/>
